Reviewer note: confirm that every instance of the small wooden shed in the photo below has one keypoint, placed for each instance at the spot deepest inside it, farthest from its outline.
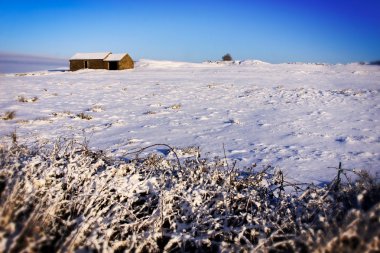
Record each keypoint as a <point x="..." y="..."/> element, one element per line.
<point x="105" y="60"/>
<point x="118" y="62"/>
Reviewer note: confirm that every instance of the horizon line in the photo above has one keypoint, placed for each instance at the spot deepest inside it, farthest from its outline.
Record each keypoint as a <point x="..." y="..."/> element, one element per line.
<point x="12" y="57"/>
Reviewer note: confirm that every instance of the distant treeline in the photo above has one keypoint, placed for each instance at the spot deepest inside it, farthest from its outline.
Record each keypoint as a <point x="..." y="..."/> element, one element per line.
<point x="375" y="63"/>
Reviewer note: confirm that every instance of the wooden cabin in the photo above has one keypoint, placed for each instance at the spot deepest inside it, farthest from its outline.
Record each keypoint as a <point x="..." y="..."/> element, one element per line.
<point x="105" y="60"/>
<point x="118" y="62"/>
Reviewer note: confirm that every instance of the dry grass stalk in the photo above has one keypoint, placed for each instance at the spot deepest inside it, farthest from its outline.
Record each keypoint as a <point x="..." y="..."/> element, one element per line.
<point x="23" y="99"/>
<point x="71" y="198"/>
<point x="9" y="115"/>
<point x="84" y="116"/>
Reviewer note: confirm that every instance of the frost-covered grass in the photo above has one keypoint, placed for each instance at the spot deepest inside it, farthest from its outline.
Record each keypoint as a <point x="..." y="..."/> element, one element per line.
<point x="69" y="198"/>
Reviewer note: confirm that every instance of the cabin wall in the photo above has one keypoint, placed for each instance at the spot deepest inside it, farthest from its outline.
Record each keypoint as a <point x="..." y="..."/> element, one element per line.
<point x="76" y="65"/>
<point x="97" y="64"/>
<point x="126" y="63"/>
<point x="91" y="64"/>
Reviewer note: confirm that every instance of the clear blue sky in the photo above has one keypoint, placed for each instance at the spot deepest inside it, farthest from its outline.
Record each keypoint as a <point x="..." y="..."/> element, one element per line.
<point x="275" y="31"/>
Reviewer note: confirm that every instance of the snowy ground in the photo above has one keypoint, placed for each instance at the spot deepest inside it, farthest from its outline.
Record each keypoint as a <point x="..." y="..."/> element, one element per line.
<point x="302" y="118"/>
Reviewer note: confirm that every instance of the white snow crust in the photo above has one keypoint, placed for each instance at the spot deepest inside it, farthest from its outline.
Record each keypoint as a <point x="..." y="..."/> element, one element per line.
<point x="302" y="118"/>
<point x="114" y="57"/>
<point x="90" y="56"/>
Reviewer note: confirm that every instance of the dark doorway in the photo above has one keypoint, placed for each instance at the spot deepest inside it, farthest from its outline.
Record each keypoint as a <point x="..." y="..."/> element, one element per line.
<point x="85" y="64"/>
<point x="112" y="65"/>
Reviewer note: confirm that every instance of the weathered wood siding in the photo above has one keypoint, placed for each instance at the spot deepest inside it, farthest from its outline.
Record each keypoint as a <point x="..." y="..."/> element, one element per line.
<point x="91" y="64"/>
<point x="126" y="63"/>
<point x="76" y="65"/>
<point x="96" y="64"/>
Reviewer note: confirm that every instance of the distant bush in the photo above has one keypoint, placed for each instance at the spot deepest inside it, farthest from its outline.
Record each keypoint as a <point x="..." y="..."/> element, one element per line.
<point x="73" y="199"/>
<point x="227" y="57"/>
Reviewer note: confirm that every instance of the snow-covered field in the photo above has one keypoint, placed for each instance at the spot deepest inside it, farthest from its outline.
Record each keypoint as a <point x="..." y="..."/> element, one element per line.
<point x="302" y="118"/>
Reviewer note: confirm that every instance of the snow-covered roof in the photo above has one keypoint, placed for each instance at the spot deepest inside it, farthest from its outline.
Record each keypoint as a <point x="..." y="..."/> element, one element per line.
<point x="90" y="56"/>
<point x="114" y="57"/>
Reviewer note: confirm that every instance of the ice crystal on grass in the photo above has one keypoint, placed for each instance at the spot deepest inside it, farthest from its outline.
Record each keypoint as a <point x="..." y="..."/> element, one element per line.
<point x="70" y="198"/>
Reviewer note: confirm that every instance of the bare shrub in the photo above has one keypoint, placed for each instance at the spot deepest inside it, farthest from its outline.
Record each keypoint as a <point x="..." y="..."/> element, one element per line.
<point x="70" y="198"/>
<point x="84" y="116"/>
<point x="23" y="99"/>
<point x="9" y="115"/>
